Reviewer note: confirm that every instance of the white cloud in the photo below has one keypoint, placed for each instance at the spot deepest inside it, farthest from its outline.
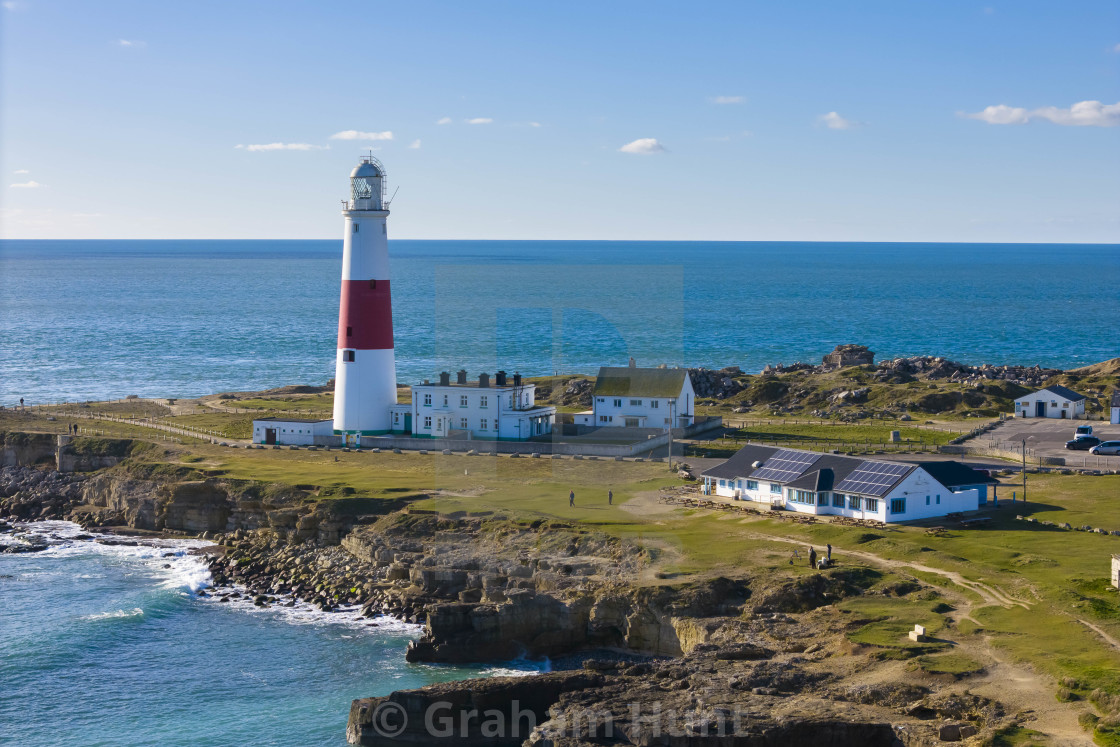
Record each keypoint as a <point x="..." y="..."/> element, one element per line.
<point x="1116" y="49"/>
<point x="834" y="121"/>
<point x="415" y="144"/>
<point x="358" y="135"/>
<point x="1081" y="114"/>
<point x="258" y="147"/>
<point x="26" y="185"/>
<point x="10" y="5"/>
<point x="1001" y="114"/>
<point x="444" y="120"/>
<point x="21" y="171"/>
<point x="643" y="146"/>
<point x="534" y="124"/>
<point x="728" y="100"/>
<point x="131" y="43"/>
<point x="480" y="120"/>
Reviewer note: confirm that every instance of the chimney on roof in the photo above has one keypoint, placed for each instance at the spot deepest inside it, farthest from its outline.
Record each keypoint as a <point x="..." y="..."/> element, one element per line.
<point x="484" y="381"/>
<point x="516" y="379"/>
<point x="426" y="382"/>
<point x="633" y="363"/>
<point x="500" y="378"/>
<point x="461" y="377"/>
<point x="444" y="378"/>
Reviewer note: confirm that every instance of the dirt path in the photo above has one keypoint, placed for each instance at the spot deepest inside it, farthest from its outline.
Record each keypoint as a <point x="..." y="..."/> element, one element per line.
<point x="1019" y="688"/>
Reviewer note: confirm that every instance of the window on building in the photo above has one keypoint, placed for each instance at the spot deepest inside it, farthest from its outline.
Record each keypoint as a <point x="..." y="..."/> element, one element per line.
<point x="482" y="401"/>
<point x="427" y="422"/>
<point x="483" y="422"/>
<point x="752" y="484"/>
<point x="927" y="500"/>
<point x="854" y="502"/>
<point x="396" y="417"/>
<point x="427" y="400"/>
<point x="463" y="400"/>
<point x="445" y="400"/>
<point x="1065" y="405"/>
<point x="938" y="499"/>
<point x="355" y="228"/>
<point x="635" y="403"/>
<point x="495" y="424"/>
<point x="654" y="403"/>
<point x="822" y="499"/>
<point x="347" y="356"/>
<point x="463" y="423"/>
<point x="618" y="403"/>
<point x="806" y="497"/>
<point x="723" y="483"/>
<point x="601" y="400"/>
<point x="775" y="488"/>
<point x="898" y="505"/>
<point x="349" y="331"/>
<point x="838" y="500"/>
<point x="871" y="504"/>
<point x="603" y="418"/>
<point x="373" y="285"/>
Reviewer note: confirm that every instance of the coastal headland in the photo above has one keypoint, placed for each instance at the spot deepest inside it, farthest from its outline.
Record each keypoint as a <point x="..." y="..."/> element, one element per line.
<point x="666" y="620"/>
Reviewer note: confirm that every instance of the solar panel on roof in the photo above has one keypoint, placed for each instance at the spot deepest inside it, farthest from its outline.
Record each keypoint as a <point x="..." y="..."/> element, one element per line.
<point x="872" y="478"/>
<point x="785" y="465"/>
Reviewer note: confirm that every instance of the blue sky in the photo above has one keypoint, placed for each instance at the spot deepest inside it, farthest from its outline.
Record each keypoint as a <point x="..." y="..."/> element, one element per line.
<point x="905" y="120"/>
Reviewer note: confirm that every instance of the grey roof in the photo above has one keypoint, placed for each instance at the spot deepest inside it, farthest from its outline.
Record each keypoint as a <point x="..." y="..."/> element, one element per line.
<point x="293" y="420"/>
<point x="624" y="381"/>
<point x="830" y="470"/>
<point x="368" y="167"/>
<point x="1065" y="393"/>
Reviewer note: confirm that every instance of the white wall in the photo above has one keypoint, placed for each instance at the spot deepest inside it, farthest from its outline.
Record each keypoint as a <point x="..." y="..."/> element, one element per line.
<point x="291" y="433"/>
<point x="1055" y="406"/>
<point x="653" y="412"/>
<point x="1115" y="419"/>
<point x="447" y="407"/>
<point x="914" y="489"/>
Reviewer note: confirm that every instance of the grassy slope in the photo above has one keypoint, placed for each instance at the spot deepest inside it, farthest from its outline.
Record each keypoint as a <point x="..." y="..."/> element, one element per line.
<point x="1058" y="573"/>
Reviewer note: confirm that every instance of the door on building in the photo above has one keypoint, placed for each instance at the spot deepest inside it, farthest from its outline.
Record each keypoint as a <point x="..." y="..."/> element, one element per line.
<point x="1063" y="414"/>
<point x="631" y="422"/>
<point x="408" y="422"/>
<point x="1040" y="409"/>
<point x="270" y="436"/>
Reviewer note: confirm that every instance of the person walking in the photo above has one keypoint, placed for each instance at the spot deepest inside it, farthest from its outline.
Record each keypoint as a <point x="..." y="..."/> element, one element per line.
<point x="610" y="497"/>
<point x="572" y="498"/>
<point x="812" y="557"/>
<point x="829" y="555"/>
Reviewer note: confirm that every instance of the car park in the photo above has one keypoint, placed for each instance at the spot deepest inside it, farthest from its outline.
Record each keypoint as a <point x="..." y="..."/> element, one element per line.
<point x="1106" y="448"/>
<point x="1082" y="443"/>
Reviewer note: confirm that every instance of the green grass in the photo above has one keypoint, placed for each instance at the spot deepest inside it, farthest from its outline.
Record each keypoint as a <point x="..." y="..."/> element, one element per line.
<point x="226" y="425"/>
<point x="954" y="664"/>
<point x="1016" y="736"/>
<point x="315" y="404"/>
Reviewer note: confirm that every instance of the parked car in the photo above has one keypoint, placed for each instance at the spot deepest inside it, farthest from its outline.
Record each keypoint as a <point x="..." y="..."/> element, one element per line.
<point x="1111" y="448"/>
<point x="1082" y="443"/>
<point x="1083" y="431"/>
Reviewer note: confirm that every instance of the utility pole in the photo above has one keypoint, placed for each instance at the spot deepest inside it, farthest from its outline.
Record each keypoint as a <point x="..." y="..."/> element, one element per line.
<point x="1024" y="470"/>
<point x="671" y="403"/>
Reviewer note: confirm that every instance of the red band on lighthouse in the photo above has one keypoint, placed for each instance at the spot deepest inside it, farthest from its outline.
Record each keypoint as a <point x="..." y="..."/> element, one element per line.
<point x="366" y="313"/>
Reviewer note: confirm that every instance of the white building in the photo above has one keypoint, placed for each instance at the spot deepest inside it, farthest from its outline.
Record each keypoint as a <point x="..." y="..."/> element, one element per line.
<point x="1114" y="417"/>
<point x="635" y="397"/>
<point x="831" y="485"/>
<point x="1051" y="402"/>
<point x="290" y="431"/>
<point x="501" y="410"/>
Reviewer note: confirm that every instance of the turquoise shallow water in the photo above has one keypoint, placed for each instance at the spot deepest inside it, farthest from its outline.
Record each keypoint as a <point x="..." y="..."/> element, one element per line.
<point x="96" y="319"/>
<point x="105" y="646"/>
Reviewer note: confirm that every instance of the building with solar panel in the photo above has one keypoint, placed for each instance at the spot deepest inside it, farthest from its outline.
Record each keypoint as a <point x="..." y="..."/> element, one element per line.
<point x="831" y="485"/>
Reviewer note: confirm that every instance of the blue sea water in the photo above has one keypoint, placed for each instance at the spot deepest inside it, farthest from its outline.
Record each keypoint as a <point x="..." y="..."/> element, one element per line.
<point x="104" y="645"/>
<point x="104" y="319"/>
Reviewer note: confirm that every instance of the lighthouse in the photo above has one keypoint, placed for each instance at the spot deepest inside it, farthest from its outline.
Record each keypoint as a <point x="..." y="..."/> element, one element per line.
<point x="365" y="382"/>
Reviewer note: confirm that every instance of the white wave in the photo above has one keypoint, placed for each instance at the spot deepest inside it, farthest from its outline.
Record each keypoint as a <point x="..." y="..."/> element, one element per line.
<point x="301" y="613"/>
<point x="134" y="612"/>
<point x="183" y="570"/>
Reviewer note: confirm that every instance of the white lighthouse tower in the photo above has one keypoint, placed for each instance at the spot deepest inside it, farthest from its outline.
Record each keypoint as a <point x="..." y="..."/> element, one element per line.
<point x="365" y="370"/>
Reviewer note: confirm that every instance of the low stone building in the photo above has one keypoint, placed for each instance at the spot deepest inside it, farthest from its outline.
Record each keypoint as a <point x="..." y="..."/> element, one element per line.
<point x="848" y="355"/>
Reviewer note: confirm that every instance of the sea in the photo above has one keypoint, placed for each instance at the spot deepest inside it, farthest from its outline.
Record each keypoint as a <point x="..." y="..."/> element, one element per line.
<point x="104" y="644"/>
<point x="84" y="320"/>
